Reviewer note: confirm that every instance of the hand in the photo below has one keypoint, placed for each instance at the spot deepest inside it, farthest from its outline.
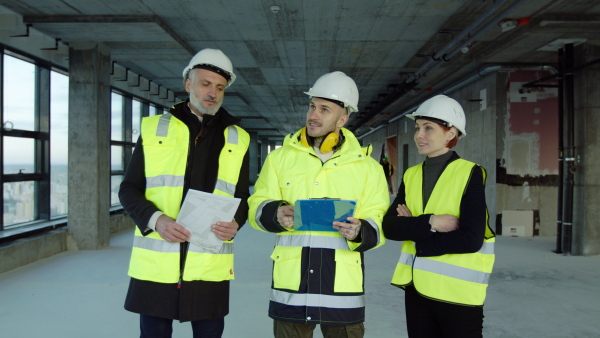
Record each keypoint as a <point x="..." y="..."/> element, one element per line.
<point x="285" y="216"/>
<point x="349" y="230"/>
<point x="443" y="223"/>
<point x="403" y="211"/>
<point x="225" y="231"/>
<point x="171" y="231"/>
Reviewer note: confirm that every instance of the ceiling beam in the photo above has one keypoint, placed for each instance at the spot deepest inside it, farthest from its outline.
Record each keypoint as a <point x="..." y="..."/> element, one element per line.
<point x="109" y="19"/>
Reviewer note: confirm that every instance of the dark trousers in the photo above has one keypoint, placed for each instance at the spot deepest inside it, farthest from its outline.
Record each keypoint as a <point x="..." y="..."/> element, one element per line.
<point x="300" y="330"/>
<point x="155" y="327"/>
<point x="430" y="318"/>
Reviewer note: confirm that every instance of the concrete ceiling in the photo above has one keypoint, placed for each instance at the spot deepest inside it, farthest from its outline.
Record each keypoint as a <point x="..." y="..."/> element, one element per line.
<point x="399" y="52"/>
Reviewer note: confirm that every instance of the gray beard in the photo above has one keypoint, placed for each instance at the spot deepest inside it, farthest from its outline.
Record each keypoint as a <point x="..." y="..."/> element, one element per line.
<point x="205" y="111"/>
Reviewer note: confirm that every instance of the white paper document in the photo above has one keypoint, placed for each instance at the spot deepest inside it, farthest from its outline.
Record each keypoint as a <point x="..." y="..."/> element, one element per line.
<point x="200" y="210"/>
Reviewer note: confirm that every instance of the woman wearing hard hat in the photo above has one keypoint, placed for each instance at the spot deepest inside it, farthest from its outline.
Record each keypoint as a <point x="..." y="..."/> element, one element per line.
<point x="441" y="216"/>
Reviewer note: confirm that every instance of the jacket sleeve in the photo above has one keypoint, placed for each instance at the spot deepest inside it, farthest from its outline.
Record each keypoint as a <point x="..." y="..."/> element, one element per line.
<point x="405" y="228"/>
<point x="467" y="239"/>
<point x="372" y="205"/>
<point x="471" y="224"/>
<point x="265" y="200"/>
<point x="242" y="191"/>
<point x="132" y="192"/>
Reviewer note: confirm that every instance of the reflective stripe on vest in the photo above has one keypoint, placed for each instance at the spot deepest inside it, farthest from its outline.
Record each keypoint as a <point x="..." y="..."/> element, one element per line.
<point x="164" y="181"/>
<point x="162" y="129"/>
<point x="407" y="258"/>
<point x="455" y="278"/>
<point x="317" y="300"/>
<point x="166" y="141"/>
<point x="158" y="245"/>
<point x="313" y="239"/>
<point x="228" y="188"/>
<point x="232" y="155"/>
<point x="453" y="271"/>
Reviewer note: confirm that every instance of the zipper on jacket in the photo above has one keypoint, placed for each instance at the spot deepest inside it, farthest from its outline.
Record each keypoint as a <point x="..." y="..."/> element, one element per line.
<point x="183" y="249"/>
<point x="198" y="137"/>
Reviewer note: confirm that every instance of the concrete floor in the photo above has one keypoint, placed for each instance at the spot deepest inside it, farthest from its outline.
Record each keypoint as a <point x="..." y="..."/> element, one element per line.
<point x="533" y="293"/>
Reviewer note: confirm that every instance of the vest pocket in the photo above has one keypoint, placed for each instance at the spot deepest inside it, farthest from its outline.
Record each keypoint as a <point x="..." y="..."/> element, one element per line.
<point x="286" y="267"/>
<point x="348" y="272"/>
<point x="208" y="267"/>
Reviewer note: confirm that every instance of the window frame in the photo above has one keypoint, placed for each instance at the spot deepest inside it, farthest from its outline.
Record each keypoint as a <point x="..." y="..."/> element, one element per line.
<point x="40" y="136"/>
<point x="42" y="218"/>
<point x="127" y="144"/>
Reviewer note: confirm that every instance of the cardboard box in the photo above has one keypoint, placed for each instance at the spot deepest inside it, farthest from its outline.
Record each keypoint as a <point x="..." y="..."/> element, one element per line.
<point x="515" y="231"/>
<point x="518" y="223"/>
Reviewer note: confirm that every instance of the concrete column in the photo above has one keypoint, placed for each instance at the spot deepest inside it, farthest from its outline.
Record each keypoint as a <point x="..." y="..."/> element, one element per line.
<point x="586" y="214"/>
<point x="254" y="151"/>
<point x="264" y="151"/>
<point x="89" y="145"/>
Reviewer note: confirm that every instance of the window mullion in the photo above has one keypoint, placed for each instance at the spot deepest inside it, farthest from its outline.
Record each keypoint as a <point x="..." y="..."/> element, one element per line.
<point x="2" y="134"/>
<point x="127" y="129"/>
<point x="42" y="143"/>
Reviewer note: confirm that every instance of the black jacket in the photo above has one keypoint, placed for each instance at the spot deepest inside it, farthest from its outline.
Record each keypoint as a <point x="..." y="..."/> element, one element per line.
<point x="196" y="300"/>
<point x="467" y="239"/>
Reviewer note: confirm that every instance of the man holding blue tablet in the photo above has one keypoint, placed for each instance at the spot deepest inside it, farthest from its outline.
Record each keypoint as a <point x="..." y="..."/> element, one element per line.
<point x="317" y="274"/>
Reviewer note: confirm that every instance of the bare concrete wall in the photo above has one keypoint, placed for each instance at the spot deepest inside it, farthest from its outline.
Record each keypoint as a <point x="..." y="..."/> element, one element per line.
<point x="119" y="223"/>
<point x="586" y="214"/>
<point x="540" y="198"/>
<point x="28" y="250"/>
<point x="526" y="148"/>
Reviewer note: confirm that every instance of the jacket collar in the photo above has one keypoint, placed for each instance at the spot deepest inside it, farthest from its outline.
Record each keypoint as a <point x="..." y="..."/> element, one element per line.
<point x="350" y="150"/>
<point x="184" y="113"/>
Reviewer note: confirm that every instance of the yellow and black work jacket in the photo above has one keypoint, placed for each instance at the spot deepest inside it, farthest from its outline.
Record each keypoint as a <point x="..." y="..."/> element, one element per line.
<point x="177" y="153"/>
<point x="153" y="258"/>
<point x="460" y="275"/>
<point x="318" y="275"/>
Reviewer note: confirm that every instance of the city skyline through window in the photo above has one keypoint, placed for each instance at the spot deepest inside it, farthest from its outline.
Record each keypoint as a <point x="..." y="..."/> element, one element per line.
<point x="27" y="151"/>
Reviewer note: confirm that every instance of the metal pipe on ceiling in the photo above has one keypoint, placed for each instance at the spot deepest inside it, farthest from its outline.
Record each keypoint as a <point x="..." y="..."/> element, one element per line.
<point x="504" y="67"/>
<point x="433" y="63"/>
<point x="559" y="74"/>
<point x="494" y="21"/>
<point x="464" y="33"/>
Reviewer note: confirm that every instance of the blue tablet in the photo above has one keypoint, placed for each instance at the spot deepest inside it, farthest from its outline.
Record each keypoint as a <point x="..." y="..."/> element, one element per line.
<point x="319" y="214"/>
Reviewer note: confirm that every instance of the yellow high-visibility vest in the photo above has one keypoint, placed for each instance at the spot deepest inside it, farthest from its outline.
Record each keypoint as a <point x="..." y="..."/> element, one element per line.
<point x="454" y="278"/>
<point x="166" y="141"/>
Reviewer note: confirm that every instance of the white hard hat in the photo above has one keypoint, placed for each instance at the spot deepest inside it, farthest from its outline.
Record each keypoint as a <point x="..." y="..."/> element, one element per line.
<point x="336" y="86"/>
<point x="214" y="58"/>
<point x="442" y="108"/>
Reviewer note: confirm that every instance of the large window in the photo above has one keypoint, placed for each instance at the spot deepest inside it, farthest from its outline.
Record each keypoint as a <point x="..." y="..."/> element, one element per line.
<point x="19" y="94"/>
<point x="34" y="111"/>
<point x="24" y="128"/>
<point x="34" y="142"/>
<point x="117" y="132"/>
<point x="126" y="117"/>
<point x="59" y="131"/>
